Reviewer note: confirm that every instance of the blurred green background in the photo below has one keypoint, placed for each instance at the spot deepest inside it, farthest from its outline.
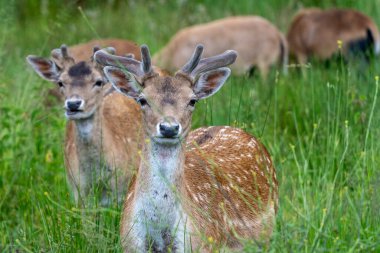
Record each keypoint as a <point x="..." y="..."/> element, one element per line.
<point x="322" y="128"/>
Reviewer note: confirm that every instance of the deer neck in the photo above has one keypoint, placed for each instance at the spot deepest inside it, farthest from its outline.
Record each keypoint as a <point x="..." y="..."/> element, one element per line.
<point x="161" y="169"/>
<point x="89" y="138"/>
<point x="88" y="130"/>
<point x="157" y="193"/>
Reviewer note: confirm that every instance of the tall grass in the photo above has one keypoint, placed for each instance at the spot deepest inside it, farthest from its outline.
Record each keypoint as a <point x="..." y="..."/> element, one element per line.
<point x="321" y="129"/>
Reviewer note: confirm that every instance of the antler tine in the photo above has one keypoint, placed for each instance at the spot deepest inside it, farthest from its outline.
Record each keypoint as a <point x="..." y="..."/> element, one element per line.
<point x="64" y="51"/>
<point x="194" y="60"/>
<point x="214" y="62"/>
<point x="61" y="56"/>
<point x="96" y="48"/>
<point x="110" y="50"/>
<point x="146" y="61"/>
<point x="130" y="64"/>
<point x="55" y="53"/>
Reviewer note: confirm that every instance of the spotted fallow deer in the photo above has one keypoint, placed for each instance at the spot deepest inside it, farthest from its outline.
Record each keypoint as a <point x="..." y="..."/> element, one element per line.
<point x="258" y="43"/>
<point x="315" y="33"/>
<point x="217" y="183"/>
<point x="103" y="129"/>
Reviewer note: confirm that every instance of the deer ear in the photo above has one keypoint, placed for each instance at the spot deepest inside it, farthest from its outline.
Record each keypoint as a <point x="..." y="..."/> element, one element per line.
<point x="210" y="82"/>
<point x="123" y="81"/>
<point x="46" y="68"/>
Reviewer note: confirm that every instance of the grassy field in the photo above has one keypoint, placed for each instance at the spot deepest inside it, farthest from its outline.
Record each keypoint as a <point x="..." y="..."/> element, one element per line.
<point x="322" y="128"/>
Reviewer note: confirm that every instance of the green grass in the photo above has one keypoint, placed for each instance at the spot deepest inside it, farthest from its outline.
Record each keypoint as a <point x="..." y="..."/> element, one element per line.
<point x="322" y="129"/>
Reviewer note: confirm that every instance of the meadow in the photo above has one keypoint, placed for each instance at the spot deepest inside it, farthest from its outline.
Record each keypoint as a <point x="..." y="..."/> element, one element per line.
<point x="321" y="127"/>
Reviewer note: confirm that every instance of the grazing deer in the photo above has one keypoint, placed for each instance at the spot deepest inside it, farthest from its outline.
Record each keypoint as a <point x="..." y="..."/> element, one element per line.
<point x="219" y="184"/>
<point x="103" y="131"/>
<point x="315" y="33"/>
<point x="257" y="42"/>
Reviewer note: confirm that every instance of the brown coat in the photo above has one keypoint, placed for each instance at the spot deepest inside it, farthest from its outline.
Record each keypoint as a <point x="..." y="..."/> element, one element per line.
<point x="316" y="32"/>
<point x="229" y="190"/>
<point x="117" y="137"/>
<point x="257" y="42"/>
<point x="83" y="51"/>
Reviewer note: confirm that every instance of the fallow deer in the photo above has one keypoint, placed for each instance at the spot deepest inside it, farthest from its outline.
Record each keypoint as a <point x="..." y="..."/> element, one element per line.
<point x="316" y="33"/>
<point x="218" y="183"/>
<point x="103" y="129"/>
<point x="257" y="42"/>
<point x="83" y="52"/>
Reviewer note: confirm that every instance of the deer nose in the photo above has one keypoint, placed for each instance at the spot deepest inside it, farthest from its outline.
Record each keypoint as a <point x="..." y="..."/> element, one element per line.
<point x="74" y="104"/>
<point x="169" y="129"/>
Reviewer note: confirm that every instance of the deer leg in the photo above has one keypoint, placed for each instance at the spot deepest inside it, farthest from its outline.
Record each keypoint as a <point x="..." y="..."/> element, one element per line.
<point x="264" y="69"/>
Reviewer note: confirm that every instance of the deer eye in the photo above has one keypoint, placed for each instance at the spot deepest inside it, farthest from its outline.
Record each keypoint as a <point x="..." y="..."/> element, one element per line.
<point x="142" y="101"/>
<point x="60" y="84"/>
<point x="192" y="102"/>
<point x="98" y="83"/>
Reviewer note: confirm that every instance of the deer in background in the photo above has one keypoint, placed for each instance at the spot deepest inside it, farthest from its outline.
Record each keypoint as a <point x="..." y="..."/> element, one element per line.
<point x="315" y="33"/>
<point x="258" y="43"/>
<point x="103" y="132"/>
<point x="83" y="51"/>
<point x="218" y="182"/>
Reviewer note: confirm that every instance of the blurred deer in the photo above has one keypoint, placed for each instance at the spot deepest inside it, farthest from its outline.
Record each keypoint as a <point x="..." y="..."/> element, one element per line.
<point x="257" y="42"/>
<point x="82" y="52"/>
<point x="320" y="33"/>
<point x="217" y="183"/>
<point x="103" y="132"/>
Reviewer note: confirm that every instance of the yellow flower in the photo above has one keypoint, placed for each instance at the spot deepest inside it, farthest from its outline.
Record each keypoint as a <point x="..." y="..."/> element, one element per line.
<point x="339" y="42"/>
<point x="210" y="239"/>
<point x="49" y="156"/>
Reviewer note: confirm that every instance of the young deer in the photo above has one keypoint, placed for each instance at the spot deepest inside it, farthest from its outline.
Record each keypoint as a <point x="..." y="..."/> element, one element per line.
<point x="258" y="43"/>
<point x="220" y="185"/>
<point x="99" y="151"/>
<point x="84" y="51"/>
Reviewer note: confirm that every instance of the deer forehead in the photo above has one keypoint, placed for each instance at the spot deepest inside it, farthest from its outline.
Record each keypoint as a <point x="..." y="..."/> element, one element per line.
<point x="81" y="74"/>
<point x="168" y="90"/>
<point x="79" y="70"/>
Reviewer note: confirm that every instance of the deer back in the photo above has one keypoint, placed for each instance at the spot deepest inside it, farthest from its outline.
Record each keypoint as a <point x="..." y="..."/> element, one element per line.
<point x="230" y="184"/>
<point x="83" y="51"/>
<point x="315" y="32"/>
<point x="255" y="39"/>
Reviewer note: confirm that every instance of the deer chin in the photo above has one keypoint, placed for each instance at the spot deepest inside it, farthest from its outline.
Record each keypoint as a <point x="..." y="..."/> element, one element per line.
<point x="76" y="115"/>
<point x="167" y="141"/>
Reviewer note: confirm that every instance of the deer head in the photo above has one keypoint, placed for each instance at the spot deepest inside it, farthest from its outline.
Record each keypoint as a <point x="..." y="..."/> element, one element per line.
<point x="167" y="102"/>
<point x="82" y="84"/>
